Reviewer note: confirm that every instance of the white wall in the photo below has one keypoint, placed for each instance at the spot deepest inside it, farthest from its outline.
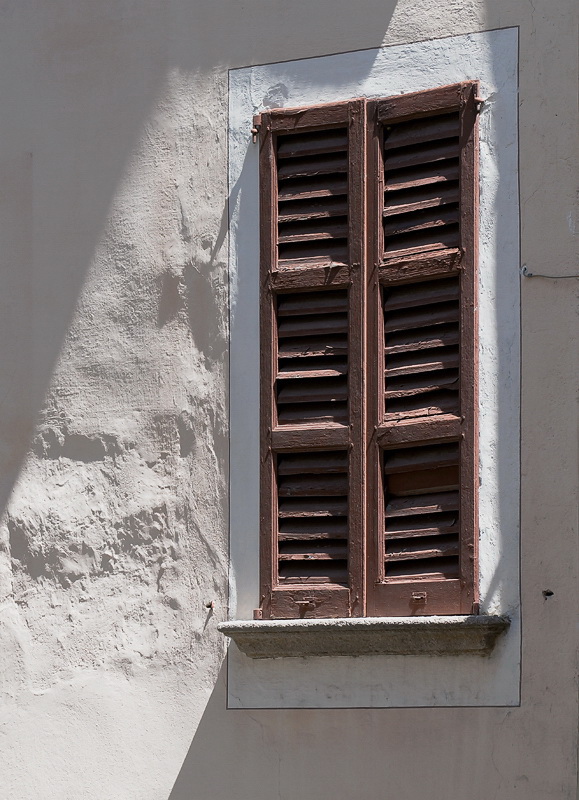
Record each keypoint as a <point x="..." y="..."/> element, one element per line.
<point x="114" y="420"/>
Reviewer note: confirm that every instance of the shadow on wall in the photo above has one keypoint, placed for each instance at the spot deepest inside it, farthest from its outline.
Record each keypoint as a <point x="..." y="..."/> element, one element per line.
<point x="73" y="114"/>
<point x="311" y="754"/>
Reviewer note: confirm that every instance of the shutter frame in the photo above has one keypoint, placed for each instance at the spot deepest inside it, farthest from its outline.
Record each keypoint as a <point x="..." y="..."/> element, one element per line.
<point x="314" y="600"/>
<point x="368" y="270"/>
<point x="423" y="595"/>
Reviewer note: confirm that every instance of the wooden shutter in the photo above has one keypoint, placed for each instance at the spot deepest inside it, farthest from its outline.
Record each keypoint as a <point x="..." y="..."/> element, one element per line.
<point x="312" y="176"/>
<point x="422" y="462"/>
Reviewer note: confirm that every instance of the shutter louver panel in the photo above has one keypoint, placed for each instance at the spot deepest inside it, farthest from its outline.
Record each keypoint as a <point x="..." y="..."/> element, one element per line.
<point x="423" y="461"/>
<point x="312" y="175"/>
<point x="421" y="185"/>
<point x="421" y="486"/>
<point x="312" y="378"/>
<point x="421" y="332"/>
<point x="368" y="357"/>
<point x="311" y="311"/>
<point x="313" y="518"/>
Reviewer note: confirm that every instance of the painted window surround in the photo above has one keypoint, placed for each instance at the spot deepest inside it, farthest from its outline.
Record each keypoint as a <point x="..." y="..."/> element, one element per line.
<point x="387" y="680"/>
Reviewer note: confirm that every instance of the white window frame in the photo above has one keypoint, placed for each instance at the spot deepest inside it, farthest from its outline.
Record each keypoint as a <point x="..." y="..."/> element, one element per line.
<point x="387" y="681"/>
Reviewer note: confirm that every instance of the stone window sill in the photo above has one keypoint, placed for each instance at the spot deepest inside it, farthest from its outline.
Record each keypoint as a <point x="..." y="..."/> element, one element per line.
<point x="436" y="635"/>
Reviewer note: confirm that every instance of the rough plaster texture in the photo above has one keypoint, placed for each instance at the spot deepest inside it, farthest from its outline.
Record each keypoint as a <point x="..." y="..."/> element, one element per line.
<point x="113" y="336"/>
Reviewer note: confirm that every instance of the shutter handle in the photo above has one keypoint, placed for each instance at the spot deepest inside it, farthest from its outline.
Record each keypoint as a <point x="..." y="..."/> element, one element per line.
<point x="305" y="605"/>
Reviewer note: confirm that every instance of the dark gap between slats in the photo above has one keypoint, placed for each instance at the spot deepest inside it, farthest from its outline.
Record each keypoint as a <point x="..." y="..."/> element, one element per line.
<point x="430" y="404"/>
<point x="422" y="361"/>
<point x="427" y="129"/>
<point x="311" y="382"/>
<point x="421" y="346"/>
<point x="421" y="382"/>
<point x="420" y="294"/>
<point x="317" y="413"/>
<point x="312" y="167"/>
<point x="312" y="517"/>
<point x="304" y="190"/>
<point x="315" y="253"/>
<point x="422" y="569"/>
<point x="312" y="325"/>
<point x="312" y="143"/>
<point x="421" y="547"/>
<point x="303" y="303"/>
<point x="424" y="153"/>
<point x="318" y="208"/>
<point x="422" y="175"/>
<point x="313" y="230"/>
<point x="421" y="172"/>
<point x="421" y="494"/>
<point x="412" y="200"/>
<point x="438" y="238"/>
<point x="422" y="316"/>
<point x="420" y="222"/>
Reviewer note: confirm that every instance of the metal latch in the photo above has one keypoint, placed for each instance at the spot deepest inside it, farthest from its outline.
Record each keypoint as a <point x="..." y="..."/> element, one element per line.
<point x="256" y="128"/>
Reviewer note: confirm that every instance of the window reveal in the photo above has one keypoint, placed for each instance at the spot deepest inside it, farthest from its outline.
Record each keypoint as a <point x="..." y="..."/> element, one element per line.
<point x="368" y="357"/>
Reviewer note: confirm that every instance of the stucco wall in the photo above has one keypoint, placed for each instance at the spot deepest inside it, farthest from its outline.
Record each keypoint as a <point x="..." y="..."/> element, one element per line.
<point x="114" y="427"/>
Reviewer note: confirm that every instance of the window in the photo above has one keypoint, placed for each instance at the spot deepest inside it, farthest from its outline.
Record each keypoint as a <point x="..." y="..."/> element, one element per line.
<point x="369" y="357"/>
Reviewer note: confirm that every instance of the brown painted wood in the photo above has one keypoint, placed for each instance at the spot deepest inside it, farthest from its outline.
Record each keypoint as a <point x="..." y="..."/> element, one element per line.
<point x="356" y="357"/>
<point x="431" y="197"/>
<point x="315" y="485"/>
<point x="375" y="355"/>
<point x="268" y="227"/>
<point x="421" y="294"/>
<point x="328" y="533"/>
<point x="309" y="144"/>
<point x="424" y="130"/>
<point x="312" y="327"/>
<point x="311" y="117"/>
<point x="420" y="266"/>
<point x="449" y="587"/>
<point x="313" y="166"/>
<point x="442" y="100"/>
<point x="318" y="208"/>
<point x="310" y="277"/>
<point x="418" y="430"/>
<point x="306" y="601"/>
<point x="410" y="157"/>
<point x="295" y="439"/>
<point x="331" y="186"/>
<point x="437" y="173"/>
<point x="469" y="350"/>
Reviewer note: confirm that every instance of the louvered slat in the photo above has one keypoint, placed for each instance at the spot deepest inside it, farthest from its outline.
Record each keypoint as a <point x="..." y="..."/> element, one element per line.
<point x="312" y="198"/>
<point x="421" y="487"/>
<point x="312" y="378"/>
<point x="312" y="517"/>
<point x="422" y="360"/>
<point x="421" y="197"/>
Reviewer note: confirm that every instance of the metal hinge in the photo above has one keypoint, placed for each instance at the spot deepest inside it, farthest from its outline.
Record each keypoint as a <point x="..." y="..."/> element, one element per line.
<point x="256" y="128"/>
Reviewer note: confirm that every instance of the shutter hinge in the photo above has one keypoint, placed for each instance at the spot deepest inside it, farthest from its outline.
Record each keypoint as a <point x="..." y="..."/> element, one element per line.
<point x="479" y="103"/>
<point x="256" y="128"/>
<point x="257" y="613"/>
